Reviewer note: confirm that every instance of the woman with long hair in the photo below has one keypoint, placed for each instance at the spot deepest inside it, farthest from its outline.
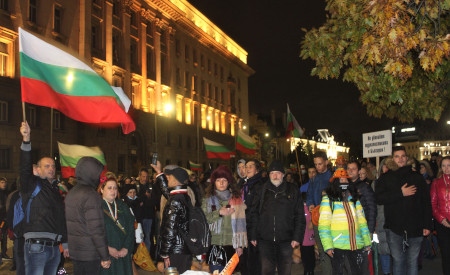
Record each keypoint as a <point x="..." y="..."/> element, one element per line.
<point x="225" y="212"/>
<point x="440" y="203"/>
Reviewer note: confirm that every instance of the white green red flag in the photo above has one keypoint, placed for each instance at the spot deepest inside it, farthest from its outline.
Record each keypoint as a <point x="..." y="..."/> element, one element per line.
<point x="53" y="78"/>
<point x="216" y="150"/>
<point x="245" y="143"/>
<point x="70" y="154"/>
<point x="293" y="128"/>
<point x="194" y="166"/>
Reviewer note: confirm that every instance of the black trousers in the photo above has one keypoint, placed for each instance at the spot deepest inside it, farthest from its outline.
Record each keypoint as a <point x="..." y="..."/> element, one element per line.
<point x="275" y="256"/>
<point x="308" y="258"/>
<point x="443" y="236"/>
<point x="355" y="260"/>
<point x="249" y="262"/>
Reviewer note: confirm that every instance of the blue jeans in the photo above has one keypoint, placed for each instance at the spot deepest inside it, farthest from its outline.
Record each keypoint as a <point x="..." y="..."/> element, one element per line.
<point x="385" y="260"/>
<point x="147" y="228"/>
<point x="404" y="262"/>
<point x="41" y="259"/>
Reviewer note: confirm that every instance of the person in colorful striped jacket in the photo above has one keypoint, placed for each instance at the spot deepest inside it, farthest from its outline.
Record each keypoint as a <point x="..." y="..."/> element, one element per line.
<point x="342" y="226"/>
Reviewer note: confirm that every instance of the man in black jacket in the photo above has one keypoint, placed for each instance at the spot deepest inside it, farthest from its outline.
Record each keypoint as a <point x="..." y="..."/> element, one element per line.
<point x="407" y="210"/>
<point x="172" y="247"/>
<point x="278" y="222"/>
<point x="44" y="228"/>
<point x="88" y="247"/>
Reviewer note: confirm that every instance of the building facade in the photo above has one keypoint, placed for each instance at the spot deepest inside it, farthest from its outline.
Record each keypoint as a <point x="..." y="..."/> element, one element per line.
<point x="185" y="77"/>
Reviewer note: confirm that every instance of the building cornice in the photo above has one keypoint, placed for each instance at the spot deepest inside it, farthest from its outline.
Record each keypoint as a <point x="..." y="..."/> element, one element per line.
<point x="201" y="28"/>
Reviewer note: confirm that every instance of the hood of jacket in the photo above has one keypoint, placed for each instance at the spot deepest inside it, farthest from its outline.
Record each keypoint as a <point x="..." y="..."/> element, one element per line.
<point x="88" y="171"/>
<point x="390" y="163"/>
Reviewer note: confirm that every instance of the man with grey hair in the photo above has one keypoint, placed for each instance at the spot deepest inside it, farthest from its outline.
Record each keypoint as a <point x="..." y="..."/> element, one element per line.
<point x="279" y="204"/>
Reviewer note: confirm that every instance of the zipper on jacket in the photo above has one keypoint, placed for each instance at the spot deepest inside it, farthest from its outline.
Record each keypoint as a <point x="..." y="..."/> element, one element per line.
<point x="274" y="233"/>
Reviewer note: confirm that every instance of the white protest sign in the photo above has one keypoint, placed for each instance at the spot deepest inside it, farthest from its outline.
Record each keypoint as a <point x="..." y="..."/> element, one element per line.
<point x="377" y="144"/>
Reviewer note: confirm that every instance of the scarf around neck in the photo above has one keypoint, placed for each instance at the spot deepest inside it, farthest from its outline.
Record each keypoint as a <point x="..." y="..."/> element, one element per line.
<point x="238" y="222"/>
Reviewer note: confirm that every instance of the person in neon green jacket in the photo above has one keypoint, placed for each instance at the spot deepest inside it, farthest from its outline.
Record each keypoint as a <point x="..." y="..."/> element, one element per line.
<point x="342" y="226"/>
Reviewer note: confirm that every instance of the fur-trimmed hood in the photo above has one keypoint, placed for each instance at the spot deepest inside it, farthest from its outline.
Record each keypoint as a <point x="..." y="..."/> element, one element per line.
<point x="390" y="163"/>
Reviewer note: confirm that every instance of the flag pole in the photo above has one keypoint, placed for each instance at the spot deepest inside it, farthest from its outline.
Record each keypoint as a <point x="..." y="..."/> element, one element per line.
<point x="298" y="165"/>
<point x="23" y="112"/>
<point x="51" y="132"/>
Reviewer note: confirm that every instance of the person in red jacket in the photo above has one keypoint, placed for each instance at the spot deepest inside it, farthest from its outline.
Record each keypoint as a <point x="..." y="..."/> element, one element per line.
<point x="440" y="203"/>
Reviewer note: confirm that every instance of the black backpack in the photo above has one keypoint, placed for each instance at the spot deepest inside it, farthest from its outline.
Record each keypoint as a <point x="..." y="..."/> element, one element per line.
<point x="198" y="237"/>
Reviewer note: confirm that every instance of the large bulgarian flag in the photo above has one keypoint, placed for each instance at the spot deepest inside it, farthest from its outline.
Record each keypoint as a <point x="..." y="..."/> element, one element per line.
<point x="216" y="150"/>
<point x="245" y="143"/>
<point x="53" y="78"/>
<point x="70" y="154"/>
<point x="293" y="128"/>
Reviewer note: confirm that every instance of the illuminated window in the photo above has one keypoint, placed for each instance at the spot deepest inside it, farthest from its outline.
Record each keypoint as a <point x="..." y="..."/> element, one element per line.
<point x="223" y="122"/>
<point x="179" y="108"/>
<point x="187" y="111"/>
<point x="3" y="58"/>
<point x="210" y="119"/>
<point x="217" y="120"/>
<point x="204" y="116"/>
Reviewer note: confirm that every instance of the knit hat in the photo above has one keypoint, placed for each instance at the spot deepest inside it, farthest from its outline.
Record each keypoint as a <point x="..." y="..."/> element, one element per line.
<point x="276" y="165"/>
<point x="339" y="173"/>
<point x="179" y="173"/>
<point x="222" y="172"/>
<point x="128" y="187"/>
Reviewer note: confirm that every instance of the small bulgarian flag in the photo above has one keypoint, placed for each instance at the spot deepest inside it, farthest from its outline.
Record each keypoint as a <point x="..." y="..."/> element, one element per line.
<point x="216" y="150"/>
<point x="195" y="166"/>
<point x="53" y="78"/>
<point x="245" y="143"/>
<point x="70" y="154"/>
<point x="293" y="128"/>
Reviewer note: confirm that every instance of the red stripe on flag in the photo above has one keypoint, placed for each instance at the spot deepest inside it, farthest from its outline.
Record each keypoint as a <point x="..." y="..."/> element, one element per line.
<point x="96" y="110"/>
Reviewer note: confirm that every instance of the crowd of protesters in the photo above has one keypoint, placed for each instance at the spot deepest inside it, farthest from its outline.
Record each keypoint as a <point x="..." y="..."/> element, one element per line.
<point x="347" y="216"/>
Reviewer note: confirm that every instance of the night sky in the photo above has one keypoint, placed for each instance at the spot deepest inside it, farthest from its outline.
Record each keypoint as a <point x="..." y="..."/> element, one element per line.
<point x="271" y="33"/>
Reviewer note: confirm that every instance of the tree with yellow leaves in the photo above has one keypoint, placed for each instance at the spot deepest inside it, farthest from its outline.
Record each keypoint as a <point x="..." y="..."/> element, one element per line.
<point x="396" y="52"/>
